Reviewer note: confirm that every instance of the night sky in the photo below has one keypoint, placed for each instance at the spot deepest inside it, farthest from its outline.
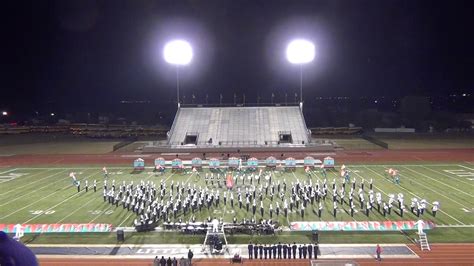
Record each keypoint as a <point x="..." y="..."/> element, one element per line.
<point x="89" y="52"/>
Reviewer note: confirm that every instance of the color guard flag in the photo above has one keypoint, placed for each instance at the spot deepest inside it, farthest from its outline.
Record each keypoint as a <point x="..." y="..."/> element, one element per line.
<point x="229" y="181"/>
<point x="73" y="176"/>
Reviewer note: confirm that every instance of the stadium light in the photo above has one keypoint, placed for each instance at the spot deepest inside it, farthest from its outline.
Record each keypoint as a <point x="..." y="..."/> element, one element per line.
<point x="178" y="53"/>
<point x="4" y="113"/>
<point x="52" y="114"/>
<point x="300" y="52"/>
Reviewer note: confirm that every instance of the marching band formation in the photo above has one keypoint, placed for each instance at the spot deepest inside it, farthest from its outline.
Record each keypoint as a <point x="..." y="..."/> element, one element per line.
<point x="263" y="195"/>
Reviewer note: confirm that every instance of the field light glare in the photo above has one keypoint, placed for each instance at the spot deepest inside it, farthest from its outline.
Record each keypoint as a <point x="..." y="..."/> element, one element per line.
<point x="4" y="113"/>
<point x="300" y="52"/>
<point x="178" y="52"/>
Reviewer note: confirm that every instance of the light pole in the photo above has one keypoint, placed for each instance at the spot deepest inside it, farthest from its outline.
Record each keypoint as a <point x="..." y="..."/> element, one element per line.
<point x="178" y="53"/>
<point x="300" y="52"/>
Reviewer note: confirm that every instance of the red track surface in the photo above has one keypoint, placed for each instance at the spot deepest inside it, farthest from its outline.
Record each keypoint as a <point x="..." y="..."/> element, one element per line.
<point x="369" y="156"/>
<point x="441" y="254"/>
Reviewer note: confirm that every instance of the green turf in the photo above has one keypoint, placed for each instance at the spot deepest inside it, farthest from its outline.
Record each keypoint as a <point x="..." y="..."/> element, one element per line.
<point x="46" y="195"/>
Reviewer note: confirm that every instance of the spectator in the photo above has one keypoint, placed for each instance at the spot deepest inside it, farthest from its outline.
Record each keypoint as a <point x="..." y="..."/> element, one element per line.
<point x="175" y="262"/>
<point x="168" y="262"/>
<point x="378" y="250"/>
<point x="294" y="250"/>
<point x="183" y="262"/>
<point x="250" y="247"/>
<point x="162" y="261"/>
<point x="156" y="261"/>
<point x="190" y="257"/>
<point x="316" y="250"/>
<point x="15" y="253"/>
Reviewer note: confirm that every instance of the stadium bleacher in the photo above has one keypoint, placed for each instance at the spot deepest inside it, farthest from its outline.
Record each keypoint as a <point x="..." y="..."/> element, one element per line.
<point x="239" y="126"/>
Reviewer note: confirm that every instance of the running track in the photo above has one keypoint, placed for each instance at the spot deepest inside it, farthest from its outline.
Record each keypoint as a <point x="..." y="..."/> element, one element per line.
<point x="368" y="156"/>
<point x="440" y="254"/>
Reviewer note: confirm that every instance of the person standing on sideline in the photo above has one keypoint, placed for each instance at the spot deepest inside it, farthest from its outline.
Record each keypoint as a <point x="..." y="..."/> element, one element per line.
<point x="250" y="247"/>
<point x="279" y="246"/>
<point x="162" y="261"/>
<point x="294" y="250"/>
<point x="190" y="256"/>
<point x="310" y="251"/>
<point x="378" y="251"/>
<point x="419" y="225"/>
<point x="316" y="250"/>
<point x="255" y="251"/>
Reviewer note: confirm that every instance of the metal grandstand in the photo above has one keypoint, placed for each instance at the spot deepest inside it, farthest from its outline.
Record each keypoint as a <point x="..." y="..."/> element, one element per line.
<point x="239" y="126"/>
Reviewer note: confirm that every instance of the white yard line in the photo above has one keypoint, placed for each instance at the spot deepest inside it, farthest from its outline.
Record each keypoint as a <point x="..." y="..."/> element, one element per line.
<point x="8" y="171"/>
<point x="71" y="213"/>
<point x="28" y="193"/>
<point x="361" y="210"/>
<point x="6" y="180"/>
<point x="126" y="219"/>
<point x="29" y="176"/>
<point x="412" y="179"/>
<point x="456" y="225"/>
<point x="458" y="179"/>
<point x="439" y="182"/>
<point x="67" y="199"/>
<point x="418" y="197"/>
<point x="97" y="172"/>
<point x="56" y="205"/>
<point x="466" y="167"/>
<point x="36" y="201"/>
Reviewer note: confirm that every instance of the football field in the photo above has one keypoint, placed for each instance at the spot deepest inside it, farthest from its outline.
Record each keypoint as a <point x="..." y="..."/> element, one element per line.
<point x="30" y="195"/>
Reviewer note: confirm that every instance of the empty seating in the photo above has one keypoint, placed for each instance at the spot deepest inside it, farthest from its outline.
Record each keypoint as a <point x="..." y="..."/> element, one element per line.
<point x="239" y="126"/>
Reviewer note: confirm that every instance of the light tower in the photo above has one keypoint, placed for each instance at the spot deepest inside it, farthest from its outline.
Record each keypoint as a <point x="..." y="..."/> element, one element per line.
<point x="178" y="53"/>
<point x="300" y="52"/>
